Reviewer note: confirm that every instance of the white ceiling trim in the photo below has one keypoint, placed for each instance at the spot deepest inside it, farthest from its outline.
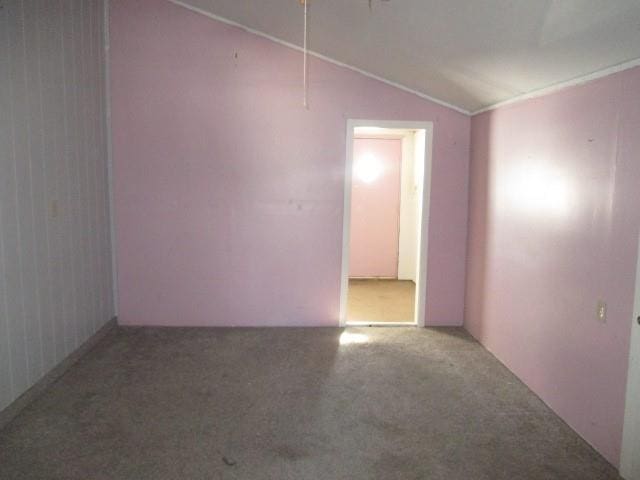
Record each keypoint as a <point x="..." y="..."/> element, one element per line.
<point x="518" y="98"/>
<point x="320" y="56"/>
<point x="562" y="85"/>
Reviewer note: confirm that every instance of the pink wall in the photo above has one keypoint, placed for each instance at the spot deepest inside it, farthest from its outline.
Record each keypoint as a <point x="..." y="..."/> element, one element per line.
<point x="229" y="194"/>
<point x="554" y="217"/>
<point x="375" y="210"/>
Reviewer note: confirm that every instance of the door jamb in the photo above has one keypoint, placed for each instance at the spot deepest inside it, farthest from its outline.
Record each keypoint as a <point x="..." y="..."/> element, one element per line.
<point x="629" y="455"/>
<point x="423" y="240"/>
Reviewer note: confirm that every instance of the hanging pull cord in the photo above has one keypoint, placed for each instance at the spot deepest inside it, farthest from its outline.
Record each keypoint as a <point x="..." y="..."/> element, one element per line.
<point x="305" y="85"/>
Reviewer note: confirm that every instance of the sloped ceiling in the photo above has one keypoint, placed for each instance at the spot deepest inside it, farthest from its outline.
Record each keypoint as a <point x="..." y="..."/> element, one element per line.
<point x="468" y="53"/>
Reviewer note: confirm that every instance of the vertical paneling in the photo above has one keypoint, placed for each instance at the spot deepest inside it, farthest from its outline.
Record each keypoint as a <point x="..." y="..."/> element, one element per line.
<point x="79" y="30"/>
<point x="103" y="166"/>
<point x="6" y="199"/>
<point x="53" y="110"/>
<point x="55" y="267"/>
<point x="20" y="320"/>
<point x="71" y="257"/>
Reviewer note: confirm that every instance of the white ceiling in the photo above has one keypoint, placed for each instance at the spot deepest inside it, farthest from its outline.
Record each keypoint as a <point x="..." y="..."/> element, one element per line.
<point x="469" y="53"/>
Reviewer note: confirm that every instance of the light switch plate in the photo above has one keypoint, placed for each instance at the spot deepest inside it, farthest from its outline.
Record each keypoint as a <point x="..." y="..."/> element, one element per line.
<point x="54" y="208"/>
<point x="601" y="311"/>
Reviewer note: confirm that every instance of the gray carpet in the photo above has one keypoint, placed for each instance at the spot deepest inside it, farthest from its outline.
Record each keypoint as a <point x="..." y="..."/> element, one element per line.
<point x="292" y="404"/>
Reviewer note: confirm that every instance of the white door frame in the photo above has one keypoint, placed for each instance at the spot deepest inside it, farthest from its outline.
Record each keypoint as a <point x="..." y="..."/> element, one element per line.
<point x="630" y="458"/>
<point x="423" y="241"/>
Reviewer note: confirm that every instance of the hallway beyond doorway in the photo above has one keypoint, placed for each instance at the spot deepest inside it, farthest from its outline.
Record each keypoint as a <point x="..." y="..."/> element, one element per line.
<point x="381" y="300"/>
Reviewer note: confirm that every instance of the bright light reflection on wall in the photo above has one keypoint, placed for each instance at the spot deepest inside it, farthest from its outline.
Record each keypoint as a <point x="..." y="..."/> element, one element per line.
<point x="368" y="168"/>
<point x="350" y="338"/>
<point x="538" y="189"/>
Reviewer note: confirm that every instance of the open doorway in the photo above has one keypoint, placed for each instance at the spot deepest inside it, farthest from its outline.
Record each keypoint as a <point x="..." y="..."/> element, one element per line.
<point x="629" y="461"/>
<point x="384" y="257"/>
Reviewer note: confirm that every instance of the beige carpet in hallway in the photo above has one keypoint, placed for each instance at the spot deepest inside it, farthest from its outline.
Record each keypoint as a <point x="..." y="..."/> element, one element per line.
<point x="377" y="300"/>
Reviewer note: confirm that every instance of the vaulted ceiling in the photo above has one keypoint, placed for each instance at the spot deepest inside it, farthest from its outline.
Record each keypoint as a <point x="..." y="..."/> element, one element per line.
<point x="468" y="53"/>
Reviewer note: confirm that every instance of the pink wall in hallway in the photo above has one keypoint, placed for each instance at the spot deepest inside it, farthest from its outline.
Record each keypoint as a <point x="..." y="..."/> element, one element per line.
<point x="554" y="218"/>
<point x="229" y="194"/>
<point x="375" y="209"/>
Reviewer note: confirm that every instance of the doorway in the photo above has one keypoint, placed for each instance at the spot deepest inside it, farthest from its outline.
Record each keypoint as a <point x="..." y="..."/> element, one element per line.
<point x="385" y="225"/>
<point x="630" y="461"/>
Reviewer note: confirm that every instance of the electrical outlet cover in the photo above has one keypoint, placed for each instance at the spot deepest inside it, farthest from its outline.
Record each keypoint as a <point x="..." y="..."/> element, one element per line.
<point x="601" y="311"/>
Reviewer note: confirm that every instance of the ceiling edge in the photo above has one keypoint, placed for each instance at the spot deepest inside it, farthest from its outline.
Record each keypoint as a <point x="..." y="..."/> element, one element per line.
<point x="555" y="87"/>
<point x="320" y="56"/>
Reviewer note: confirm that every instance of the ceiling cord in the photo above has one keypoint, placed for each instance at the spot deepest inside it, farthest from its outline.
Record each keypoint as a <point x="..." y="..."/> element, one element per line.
<point x="305" y="86"/>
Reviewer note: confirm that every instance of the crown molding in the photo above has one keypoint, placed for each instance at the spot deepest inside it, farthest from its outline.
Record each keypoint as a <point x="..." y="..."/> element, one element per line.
<point x="574" y="82"/>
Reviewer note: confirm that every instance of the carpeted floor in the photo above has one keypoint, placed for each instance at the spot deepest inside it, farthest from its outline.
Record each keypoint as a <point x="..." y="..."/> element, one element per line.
<point x="303" y="404"/>
<point x="381" y="300"/>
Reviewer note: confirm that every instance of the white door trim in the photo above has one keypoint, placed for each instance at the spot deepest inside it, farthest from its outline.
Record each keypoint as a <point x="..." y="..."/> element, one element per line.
<point x="423" y="241"/>
<point x="630" y="457"/>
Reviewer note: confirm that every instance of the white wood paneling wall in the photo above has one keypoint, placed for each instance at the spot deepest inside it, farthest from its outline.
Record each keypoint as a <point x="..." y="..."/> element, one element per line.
<point x="55" y="247"/>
